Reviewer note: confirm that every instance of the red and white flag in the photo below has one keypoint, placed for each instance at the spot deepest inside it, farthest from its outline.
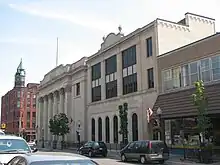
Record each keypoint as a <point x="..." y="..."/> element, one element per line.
<point x="149" y="114"/>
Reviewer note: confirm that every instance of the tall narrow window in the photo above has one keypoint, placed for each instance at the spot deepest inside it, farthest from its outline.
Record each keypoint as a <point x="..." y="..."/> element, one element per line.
<point x="150" y="75"/>
<point x="96" y="82"/>
<point x="185" y="76"/>
<point x="110" y="77"/>
<point x="129" y="70"/>
<point x="194" y="72"/>
<point x="176" y="76"/>
<point x="77" y="89"/>
<point x="149" y="46"/>
<point x="205" y="70"/>
<point x="216" y="67"/>
<point x="167" y="79"/>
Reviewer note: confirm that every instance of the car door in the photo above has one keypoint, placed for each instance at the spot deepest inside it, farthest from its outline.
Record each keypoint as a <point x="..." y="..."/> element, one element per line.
<point x="128" y="152"/>
<point x="87" y="147"/>
<point x="137" y="150"/>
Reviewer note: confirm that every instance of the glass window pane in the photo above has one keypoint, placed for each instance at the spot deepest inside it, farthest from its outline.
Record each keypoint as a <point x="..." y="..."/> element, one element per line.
<point x="130" y="70"/>
<point x="185" y="76"/>
<point x="194" y="78"/>
<point x="107" y="78"/>
<point x="206" y="76"/>
<point x="111" y="77"/>
<point x="193" y="68"/>
<point x="216" y="74"/>
<point x="134" y="69"/>
<point x="205" y="65"/>
<point x="125" y="73"/>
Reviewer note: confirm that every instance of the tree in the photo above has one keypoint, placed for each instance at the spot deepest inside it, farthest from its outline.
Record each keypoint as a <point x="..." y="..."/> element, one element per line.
<point x="201" y="103"/>
<point x="59" y="125"/>
<point x="123" y="114"/>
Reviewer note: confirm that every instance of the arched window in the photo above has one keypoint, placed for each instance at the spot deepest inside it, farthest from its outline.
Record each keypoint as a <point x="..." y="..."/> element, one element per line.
<point x="107" y="130"/>
<point x="93" y="129"/>
<point x="100" y="129"/>
<point x="134" y="127"/>
<point x="115" y="129"/>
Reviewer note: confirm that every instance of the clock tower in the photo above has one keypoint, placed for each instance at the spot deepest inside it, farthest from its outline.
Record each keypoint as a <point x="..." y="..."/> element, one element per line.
<point x="20" y="76"/>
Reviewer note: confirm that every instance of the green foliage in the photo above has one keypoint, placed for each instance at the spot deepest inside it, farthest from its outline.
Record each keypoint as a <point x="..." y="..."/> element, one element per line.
<point x="201" y="102"/>
<point x="59" y="125"/>
<point x="123" y="114"/>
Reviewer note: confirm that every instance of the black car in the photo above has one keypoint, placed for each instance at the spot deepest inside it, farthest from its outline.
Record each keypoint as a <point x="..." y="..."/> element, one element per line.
<point x="145" y="151"/>
<point x="93" y="148"/>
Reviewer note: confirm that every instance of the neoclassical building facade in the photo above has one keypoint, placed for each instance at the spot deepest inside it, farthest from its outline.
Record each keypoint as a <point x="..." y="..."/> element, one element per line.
<point x="63" y="91"/>
<point x="123" y="70"/>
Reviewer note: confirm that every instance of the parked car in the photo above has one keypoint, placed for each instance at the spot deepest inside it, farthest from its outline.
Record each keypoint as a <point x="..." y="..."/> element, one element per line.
<point x="93" y="148"/>
<point x="2" y="132"/>
<point x="11" y="146"/>
<point x="50" y="159"/>
<point x="145" y="151"/>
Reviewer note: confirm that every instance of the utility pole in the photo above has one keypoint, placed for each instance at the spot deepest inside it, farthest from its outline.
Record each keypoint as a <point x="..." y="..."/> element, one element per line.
<point x="57" y="54"/>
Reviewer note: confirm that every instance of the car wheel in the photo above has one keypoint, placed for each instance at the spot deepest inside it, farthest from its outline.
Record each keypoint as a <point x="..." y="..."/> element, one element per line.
<point x="161" y="161"/>
<point x="123" y="158"/>
<point x="80" y="152"/>
<point x="90" y="153"/>
<point x="143" y="160"/>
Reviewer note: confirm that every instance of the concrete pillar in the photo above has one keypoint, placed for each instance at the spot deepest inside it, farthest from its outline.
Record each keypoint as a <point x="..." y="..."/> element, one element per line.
<point x="103" y="93"/>
<point x="119" y="74"/>
<point x="111" y="129"/>
<point x="69" y="111"/>
<point x="50" y="114"/>
<point x="41" y="116"/>
<point x="39" y="120"/>
<point x="89" y="85"/>
<point x="55" y="105"/>
<point x="61" y="105"/>
<point x="45" y="118"/>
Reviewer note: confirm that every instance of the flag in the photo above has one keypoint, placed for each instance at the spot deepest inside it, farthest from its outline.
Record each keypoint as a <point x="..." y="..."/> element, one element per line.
<point x="149" y="114"/>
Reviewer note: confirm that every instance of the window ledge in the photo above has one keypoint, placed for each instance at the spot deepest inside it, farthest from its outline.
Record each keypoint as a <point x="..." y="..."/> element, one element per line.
<point x="76" y="97"/>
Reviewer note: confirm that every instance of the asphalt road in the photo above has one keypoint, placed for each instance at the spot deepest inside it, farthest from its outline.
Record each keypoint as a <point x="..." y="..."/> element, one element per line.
<point x="116" y="161"/>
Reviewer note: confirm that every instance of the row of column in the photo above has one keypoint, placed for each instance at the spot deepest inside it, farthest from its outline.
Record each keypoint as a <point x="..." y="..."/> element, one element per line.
<point x="48" y="106"/>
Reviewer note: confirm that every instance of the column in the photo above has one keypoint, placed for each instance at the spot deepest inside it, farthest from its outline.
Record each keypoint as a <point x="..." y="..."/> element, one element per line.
<point x="69" y="111"/>
<point x="61" y="105"/>
<point x="55" y="103"/>
<point x="89" y="84"/>
<point x="55" y="99"/>
<point x="119" y="74"/>
<point x="111" y="129"/>
<point x="41" y="116"/>
<point x="103" y="80"/>
<point x="138" y="67"/>
<point x="39" y="100"/>
<point x="45" y="118"/>
<point x="50" y="114"/>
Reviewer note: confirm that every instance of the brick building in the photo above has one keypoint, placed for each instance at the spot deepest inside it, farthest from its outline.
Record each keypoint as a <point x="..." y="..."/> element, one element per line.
<point x="18" y="106"/>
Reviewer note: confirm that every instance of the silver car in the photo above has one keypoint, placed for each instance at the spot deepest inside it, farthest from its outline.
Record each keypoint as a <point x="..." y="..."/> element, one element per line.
<point x="11" y="146"/>
<point x="51" y="159"/>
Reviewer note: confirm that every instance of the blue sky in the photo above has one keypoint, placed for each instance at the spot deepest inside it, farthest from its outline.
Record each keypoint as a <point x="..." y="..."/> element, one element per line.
<point x="28" y="29"/>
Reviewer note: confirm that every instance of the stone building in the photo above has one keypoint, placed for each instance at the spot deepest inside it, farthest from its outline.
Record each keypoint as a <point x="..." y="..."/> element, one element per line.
<point x="123" y="70"/>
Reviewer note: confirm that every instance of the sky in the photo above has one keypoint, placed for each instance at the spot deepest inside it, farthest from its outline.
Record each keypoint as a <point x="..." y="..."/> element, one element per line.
<point x="29" y="28"/>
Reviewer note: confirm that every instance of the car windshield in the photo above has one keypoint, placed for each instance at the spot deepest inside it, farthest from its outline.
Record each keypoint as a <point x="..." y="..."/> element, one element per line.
<point x="68" y="162"/>
<point x="13" y="145"/>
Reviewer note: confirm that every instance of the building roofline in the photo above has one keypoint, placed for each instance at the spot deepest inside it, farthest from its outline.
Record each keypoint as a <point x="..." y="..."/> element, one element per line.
<point x="189" y="45"/>
<point x="200" y="16"/>
<point x="123" y="39"/>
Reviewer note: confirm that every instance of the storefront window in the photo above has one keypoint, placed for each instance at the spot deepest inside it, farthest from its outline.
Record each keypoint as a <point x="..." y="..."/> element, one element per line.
<point x="181" y="130"/>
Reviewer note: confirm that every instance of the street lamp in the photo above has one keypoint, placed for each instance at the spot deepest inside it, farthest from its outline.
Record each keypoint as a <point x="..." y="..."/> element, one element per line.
<point x="78" y="132"/>
<point x="42" y="137"/>
<point x="159" y="113"/>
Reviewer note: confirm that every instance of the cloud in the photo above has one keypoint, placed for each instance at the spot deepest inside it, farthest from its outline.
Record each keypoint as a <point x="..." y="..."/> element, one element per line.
<point x="87" y="20"/>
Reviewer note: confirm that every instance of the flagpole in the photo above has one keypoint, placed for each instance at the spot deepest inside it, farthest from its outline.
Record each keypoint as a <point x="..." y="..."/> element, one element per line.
<point x="57" y="54"/>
